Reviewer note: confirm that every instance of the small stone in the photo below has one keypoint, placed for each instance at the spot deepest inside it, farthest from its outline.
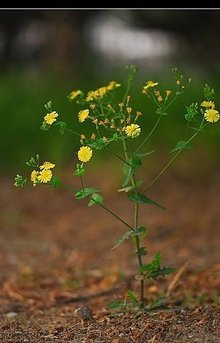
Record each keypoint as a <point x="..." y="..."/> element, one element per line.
<point x="84" y="312"/>
<point x="11" y="315"/>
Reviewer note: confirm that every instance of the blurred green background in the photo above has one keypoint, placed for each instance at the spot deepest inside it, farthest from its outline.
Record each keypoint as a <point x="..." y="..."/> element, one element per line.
<point x="44" y="54"/>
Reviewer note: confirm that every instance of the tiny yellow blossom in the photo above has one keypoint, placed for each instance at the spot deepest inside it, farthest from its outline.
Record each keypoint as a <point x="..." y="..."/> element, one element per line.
<point x="75" y="94"/>
<point x="168" y="92"/>
<point x="83" y="114"/>
<point x="208" y="104"/>
<point x="150" y="84"/>
<point x="133" y="130"/>
<point x="93" y="137"/>
<point x="112" y="85"/>
<point x="50" y="118"/>
<point x="45" y="175"/>
<point x="92" y="106"/>
<point x="178" y="82"/>
<point x="47" y="165"/>
<point x="160" y="98"/>
<point x="83" y="136"/>
<point x="211" y="115"/>
<point x="34" y="177"/>
<point x="105" y="139"/>
<point x="129" y="109"/>
<point x="84" y="153"/>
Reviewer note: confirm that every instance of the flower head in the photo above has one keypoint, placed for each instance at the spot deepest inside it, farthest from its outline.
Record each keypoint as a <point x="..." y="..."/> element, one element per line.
<point x="211" y="115"/>
<point x="45" y="175"/>
<point x="112" y="85"/>
<point x="84" y="153"/>
<point x="133" y="130"/>
<point x="34" y="177"/>
<point x="75" y="94"/>
<point x="47" y="165"/>
<point x="83" y="114"/>
<point x="50" y="118"/>
<point x="208" y="104"/>
<point x="150" y="84"/>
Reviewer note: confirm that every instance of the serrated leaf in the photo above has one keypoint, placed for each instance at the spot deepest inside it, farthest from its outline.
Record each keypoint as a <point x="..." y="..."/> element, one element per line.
<point x="121" y="239"/>
<point x="129" y="170"/>
<point x="45" y="126"/>
<point x="48" y="106"/>
<point x="182" y="145"/>
<point x="154" y="265"/>
<point x="141" y="198"/>
<point x="161" y="272"/>
<point x="62" y="125"/>
<point x="83" y="193"/>
<point x="154" y="270"/>
<point x="55" y="182"/>
<point x="98" y="144"/>
<point x="141" y="230"/>
<point x="132" y="296"/>
<point x="96" y="199"/>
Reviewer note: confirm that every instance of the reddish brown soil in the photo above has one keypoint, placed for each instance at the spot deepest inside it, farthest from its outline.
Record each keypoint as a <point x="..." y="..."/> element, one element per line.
<point x="56" y="256"/>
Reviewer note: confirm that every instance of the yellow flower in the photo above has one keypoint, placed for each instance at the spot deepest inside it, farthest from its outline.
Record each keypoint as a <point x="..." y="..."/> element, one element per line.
<point x="211" y="115"/>
<point x="150" y="84"/>
<point x="208" y="104"/>
<point x="83" y="114"/>
<point x="168" y="92"/>
<point x="47" y="165"/>
<point x="45" y="175"/>
<point x="34" y="177"/>
<point x="84" y="153"/>
<point x="50" y="118"/>
<point x="133" y="130"/>
<point x="74" y="94"/>
<point x="112" y="85"/>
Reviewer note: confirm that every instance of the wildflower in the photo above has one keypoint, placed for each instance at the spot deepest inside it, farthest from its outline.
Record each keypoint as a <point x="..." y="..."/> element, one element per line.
<point x="208" y="104"/>
<point x="84" y="153"/>
<point x="112" y="85"/>
<point x="168" y="92"/>
<point x="101" y="91"/>
<point x="34" y="177"/>
<point x="50" y="118"/>
<point x="47" y="165"/>
<point x="133" y="130"/>
<point x="211" y="115"/>
<point x="150" y="84"/>
<point x="75" y="94"/>
<point x="83" y="114"/>
<point x="45" y="175"/>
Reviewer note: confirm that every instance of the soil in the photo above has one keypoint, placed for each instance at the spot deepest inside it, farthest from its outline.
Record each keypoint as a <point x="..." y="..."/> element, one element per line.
<point x="59" y="272"/>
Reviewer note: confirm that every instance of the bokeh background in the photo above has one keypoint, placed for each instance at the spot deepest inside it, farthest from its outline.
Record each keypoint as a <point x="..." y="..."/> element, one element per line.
<point x="44" y="54"/>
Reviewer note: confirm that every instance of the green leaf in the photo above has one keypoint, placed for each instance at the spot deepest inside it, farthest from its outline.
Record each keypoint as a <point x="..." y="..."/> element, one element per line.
<point x="48" y="106"/>
<point x="154" y="270"/>
<point x="182" y="145"/>
<point x="98" y="144"/>
<point x="129" y="170"/>
<point x="116" y="305"/>
<point x="20" y="181"/>
<point x="80" y="171"/>
<point x="55" y="182"/>
<point x="130" y="188"/>
<point x="45" y="126"/>
<point x="209" y="93"/>
<point x="141" y="198"/>
<point x="192" y="111"/>
<point x="85" y="192"/>
<point x="96" y="199"/>
<point x="33" y="162"/>
<point x="160" y="303"/>
<point x="132" y="296"/>
<point x="125" y="236"/>
<point x="62" y="125"/>
<point x="141" y="230"/>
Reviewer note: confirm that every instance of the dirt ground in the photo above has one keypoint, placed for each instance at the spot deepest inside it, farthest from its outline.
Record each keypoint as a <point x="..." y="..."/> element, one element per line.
<point x="59" y="272"/>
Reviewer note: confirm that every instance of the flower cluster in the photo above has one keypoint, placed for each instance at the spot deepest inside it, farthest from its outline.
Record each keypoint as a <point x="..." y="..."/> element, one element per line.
<point x="44" y="175"/>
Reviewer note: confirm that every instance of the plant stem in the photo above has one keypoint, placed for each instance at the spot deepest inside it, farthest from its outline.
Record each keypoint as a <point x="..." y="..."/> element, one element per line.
<point x="75" y="133"/>
<point x="173" y="158"/>
<point x="150" y="133"/>
<point x="118" y="156"/>
<point x="137" y="242"/>
<point x="116" y="216"/>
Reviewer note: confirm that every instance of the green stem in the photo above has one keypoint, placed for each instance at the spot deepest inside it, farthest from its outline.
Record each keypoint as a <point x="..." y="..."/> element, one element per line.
<point x="173" y="159"/>
<point x="116" y="216"/>
<point x="149" y="134"/>
<point x="74" y="132"/>
<point x="118" y="156"/>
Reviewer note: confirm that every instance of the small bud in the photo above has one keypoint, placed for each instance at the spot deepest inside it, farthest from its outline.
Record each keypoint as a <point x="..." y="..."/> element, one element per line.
<point x="83" y="137"/>
<point x="92" y="106"/>
<point x="129" y="109"/>
<point x="104" y="139"/>
<point x="138" y="113"/>
<point x="93" y="137"/>
<point x="95" y="121"/>
<point x="178" y="82"/>
<point x="168" y="92"/>
<point x="121" y="104"/>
